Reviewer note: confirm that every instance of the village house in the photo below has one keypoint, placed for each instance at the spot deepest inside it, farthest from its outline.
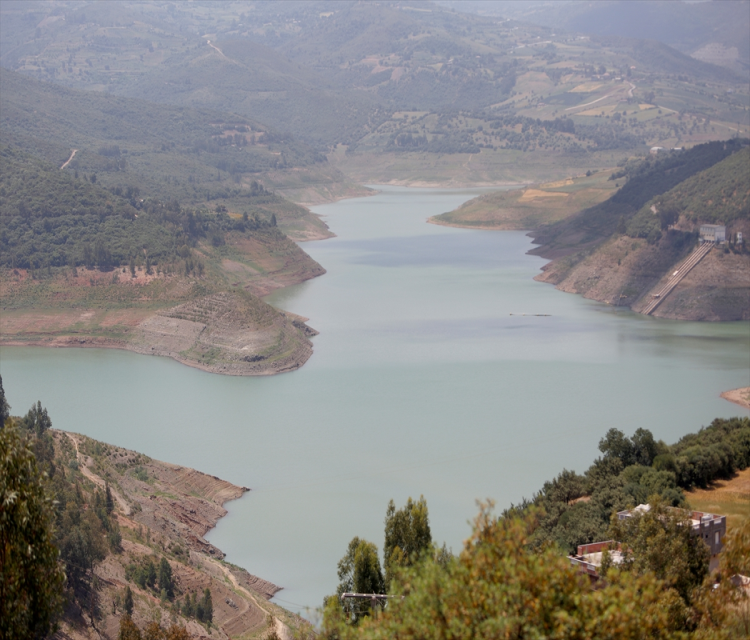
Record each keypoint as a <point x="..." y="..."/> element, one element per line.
<point x="709" y="526"/>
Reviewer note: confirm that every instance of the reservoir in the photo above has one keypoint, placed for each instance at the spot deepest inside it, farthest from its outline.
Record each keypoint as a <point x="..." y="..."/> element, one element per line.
<point x="432" y="375"/>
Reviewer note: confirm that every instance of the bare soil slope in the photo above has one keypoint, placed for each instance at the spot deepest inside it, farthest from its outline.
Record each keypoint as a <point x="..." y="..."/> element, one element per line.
<point x="163" y="511"/>
<point x="214" y="321"/>
<point x="624" y="271"/>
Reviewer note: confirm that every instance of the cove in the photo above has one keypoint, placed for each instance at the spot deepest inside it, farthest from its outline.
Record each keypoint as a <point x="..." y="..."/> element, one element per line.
<point x="426" y="379"/>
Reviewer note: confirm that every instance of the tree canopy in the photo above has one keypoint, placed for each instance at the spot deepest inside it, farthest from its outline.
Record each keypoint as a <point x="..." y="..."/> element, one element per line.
<point x="407" y="535"/>
<point x="32" y="577"/>
<point x="498" y="588"/>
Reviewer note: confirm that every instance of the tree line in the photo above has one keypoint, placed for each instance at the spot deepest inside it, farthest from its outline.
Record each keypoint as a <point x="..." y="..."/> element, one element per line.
<point x="52" y="219"/>
<point x="512" y="578"/>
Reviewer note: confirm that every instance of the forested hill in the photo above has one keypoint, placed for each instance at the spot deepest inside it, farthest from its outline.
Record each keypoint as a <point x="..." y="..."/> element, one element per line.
<point x="172" y="152"/>
<point x="50" y="218"/>
<point x="690" y="27"/>
<point x="631" y="470"/>
<point x="624" y="250"/>
<point x="717" y="195"/>
<point x="645" y="180"/>
<point x="342" y="72"/>
<point x="720" y="194"/>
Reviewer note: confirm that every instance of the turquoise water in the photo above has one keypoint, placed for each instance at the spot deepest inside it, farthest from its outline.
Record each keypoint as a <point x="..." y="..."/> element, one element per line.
<point x="426" y="379"/>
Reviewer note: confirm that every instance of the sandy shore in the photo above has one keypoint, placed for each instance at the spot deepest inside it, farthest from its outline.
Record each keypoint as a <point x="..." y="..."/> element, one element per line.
<point x="739" y="396"/>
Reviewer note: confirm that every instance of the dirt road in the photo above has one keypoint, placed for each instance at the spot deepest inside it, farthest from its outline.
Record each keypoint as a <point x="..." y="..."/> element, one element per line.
<point x="67" y="162"/>
<point x="83" y="463"/>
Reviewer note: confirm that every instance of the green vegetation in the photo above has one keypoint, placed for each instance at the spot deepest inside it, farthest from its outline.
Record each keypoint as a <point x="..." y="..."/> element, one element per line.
<point x="407" y="540"/>
<point x="31" y="578"/>
<point x="577" y="508"/>
<point x="165" y="151"/>
<point x="498" y="588"/>
<point x="627" y="211"/>
<point x="52" y="219"/>
<point x="341" y="72"/>
<point x="661" y="542"/>
<point x="58" y="527"/>
<point x="717" y="195"/>
<point x="511" y="580"/>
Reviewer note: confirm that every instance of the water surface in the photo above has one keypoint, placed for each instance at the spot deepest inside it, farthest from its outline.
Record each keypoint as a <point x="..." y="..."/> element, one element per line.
<point x="427" y="378"/>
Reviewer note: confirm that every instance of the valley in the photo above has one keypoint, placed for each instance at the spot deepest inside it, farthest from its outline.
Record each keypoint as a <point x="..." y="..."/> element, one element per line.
<point x="229" y="185"/>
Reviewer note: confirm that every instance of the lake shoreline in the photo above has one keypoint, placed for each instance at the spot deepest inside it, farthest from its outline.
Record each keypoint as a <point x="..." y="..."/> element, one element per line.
<point x="166" y="510"/>
<point x="74" y="342"/>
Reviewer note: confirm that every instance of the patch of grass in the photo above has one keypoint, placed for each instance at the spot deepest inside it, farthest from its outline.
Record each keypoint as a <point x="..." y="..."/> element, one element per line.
<point x="726" y="497"/>
<point x="531" y="207"/>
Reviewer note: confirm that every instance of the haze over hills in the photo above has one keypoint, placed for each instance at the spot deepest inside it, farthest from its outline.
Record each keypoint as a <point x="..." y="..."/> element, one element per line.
<point x="195" y="103"/>
<point x="714" y="30"/>
<point x="343" y="73"/>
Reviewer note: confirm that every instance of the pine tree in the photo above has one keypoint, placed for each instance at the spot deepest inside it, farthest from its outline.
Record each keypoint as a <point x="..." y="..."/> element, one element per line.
<point x="128" y="604"/>
<point x="166" y="582"/>
<point x="110" y="503"/>
<point x="4" y="406"/>
<point x="208" y="606"/>
<point x="407" y="535"/>
<point x="31" y="578"/>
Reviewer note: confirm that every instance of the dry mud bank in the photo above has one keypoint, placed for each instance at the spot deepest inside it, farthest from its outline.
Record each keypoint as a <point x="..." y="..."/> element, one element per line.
<point x="624" y="271"/>
<point x="232" y="333"/>
<point x="164" y="511"/>
<point x="738" y="396"/>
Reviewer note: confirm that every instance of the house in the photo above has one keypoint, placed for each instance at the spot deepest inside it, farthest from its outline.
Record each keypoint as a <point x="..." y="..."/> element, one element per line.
<point x="655" y="150"/>
<point x="709" y="526"/>
<point x="588" y="558"/>
<point x="713" y="233"/>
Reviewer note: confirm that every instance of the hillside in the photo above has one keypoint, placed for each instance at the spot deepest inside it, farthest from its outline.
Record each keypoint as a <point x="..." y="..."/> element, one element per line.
<point x="531" y="207"/>
<point x="711" y="31"/>
<point x="86" y="266"/>
<point x="645" y="180"/>
<point x="197" y="157"/>
<point x="392" y="92"/>
<point x="642" y="253"/>
<point x="128" y="524"/>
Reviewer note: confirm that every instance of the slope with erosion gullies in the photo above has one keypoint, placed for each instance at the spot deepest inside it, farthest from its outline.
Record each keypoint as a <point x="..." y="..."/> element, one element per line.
<point x="644" y="252"/>
<point x="85" y="266"/>
<point x="194" y="156"/>
<point x="154" y="525"/>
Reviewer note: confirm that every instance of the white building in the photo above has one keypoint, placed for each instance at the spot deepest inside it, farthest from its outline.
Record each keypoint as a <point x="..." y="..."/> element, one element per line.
<point x="713" y="233"/>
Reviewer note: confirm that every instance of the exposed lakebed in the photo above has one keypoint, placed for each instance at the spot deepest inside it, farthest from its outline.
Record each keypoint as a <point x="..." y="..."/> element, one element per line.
<point x="427" y="378"/>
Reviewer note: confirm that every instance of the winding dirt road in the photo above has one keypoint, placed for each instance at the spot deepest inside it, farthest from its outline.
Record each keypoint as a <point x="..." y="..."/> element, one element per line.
<point x="83" y="463"/>
<point x="281" y="629"/>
